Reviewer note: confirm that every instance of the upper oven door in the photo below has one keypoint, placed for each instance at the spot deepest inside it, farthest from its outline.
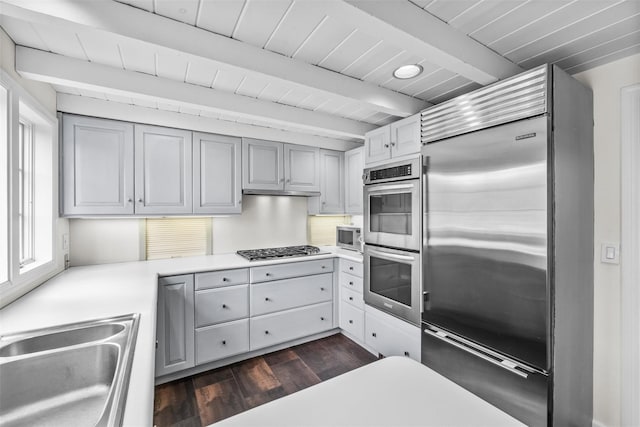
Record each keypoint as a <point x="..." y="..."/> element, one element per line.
<point x="392" y="214"/>
<point x="392" y="282"/>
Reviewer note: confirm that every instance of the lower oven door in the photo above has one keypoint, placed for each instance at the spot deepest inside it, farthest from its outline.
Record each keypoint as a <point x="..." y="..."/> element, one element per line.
<point x="392" y="281"/>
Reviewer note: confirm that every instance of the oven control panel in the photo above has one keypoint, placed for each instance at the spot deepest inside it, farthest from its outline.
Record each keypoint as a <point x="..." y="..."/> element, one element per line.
<point x="407" y="169"/>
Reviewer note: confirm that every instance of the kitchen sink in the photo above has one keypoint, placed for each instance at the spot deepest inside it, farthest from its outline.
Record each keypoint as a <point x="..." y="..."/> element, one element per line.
<point x="75" y="374"/>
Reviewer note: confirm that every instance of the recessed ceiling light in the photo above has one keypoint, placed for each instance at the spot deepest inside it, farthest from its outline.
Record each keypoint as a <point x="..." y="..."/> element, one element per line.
<point x="407" y="71"/>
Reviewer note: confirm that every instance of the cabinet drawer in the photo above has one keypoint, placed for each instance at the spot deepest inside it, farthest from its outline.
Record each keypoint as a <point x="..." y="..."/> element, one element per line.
<point x="352" y="321"/>
<point x="349" y="281"/>
<point x="351" y="267"/>
<point x="221" y="305"/>
<point x="390" y="341"/>
<point x="220" y="341"/>
<point x="289" y="293"/>
<point x="217" y="279"/>
<point x="284" y="271"/>
<point x="280" y="327"/>
<point x="352" y="297"/>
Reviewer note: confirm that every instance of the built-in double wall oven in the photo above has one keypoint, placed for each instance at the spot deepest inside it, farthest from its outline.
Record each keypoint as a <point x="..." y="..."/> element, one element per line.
<point x="392" y="236"/>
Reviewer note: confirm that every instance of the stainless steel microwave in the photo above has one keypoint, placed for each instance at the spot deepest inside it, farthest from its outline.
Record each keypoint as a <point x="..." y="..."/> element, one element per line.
<point x="349" y="237"/>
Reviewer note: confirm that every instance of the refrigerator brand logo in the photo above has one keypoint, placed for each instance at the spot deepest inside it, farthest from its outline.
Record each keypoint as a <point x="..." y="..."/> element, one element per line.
<point x="525" y="136"/>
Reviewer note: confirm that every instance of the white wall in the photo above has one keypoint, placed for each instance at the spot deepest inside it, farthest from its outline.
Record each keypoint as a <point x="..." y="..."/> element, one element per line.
<point x="606" y="82"/>
<point x="46" y="96"/>
<point x="103" y="241"/>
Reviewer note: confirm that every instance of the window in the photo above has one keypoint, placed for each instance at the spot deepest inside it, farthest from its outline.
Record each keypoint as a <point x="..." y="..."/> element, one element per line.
<point x="25" y="193"/>
<point x="28" y="184"/>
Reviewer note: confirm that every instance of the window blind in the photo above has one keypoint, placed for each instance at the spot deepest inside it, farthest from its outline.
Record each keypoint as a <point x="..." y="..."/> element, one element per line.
<point x="177" y="237"/>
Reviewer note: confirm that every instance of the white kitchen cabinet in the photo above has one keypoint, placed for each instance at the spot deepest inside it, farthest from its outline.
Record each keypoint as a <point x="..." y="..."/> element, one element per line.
<point x="219" y="341"/>
<point x="268" y="297"/>
<point x="219" y="305"/>
<point x="262" y="164"/>
<point x="175" y="325"/>
<point x="274" y="166"/>
<point x="332" y="182"/>
<point x="395" y="140"/>
<point x="217" y="174"/>
<point x="295" y="269"/>
<point x="301" y="168"/>
<point x="283" y="326"/>
<point x="163" y="160"/>
<point x="352" y="319"/>
<point x="97" y="166"/>
<point x="353" y="167"/>
<point x="391" y="336"/>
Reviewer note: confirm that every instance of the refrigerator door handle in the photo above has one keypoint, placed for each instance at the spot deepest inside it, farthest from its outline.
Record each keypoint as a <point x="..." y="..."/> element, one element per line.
<point x="503" y="363"/>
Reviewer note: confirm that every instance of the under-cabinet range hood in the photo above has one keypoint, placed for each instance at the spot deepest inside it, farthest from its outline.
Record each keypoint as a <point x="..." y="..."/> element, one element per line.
<point x="281" y="193"/>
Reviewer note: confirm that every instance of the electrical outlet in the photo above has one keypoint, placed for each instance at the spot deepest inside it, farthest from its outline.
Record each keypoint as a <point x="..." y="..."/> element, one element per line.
<point x="610" y="253"/>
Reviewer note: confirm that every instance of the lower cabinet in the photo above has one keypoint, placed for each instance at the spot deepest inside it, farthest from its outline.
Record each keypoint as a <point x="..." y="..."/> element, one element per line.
<point x="175" y="325"/>
<point x="391" y="336"/>
<point x="220" y="341"/>
<point x="288" y="325"/>
<point x="352" y="320"/>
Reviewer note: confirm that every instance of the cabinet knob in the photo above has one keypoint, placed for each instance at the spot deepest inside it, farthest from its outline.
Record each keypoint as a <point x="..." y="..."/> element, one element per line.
<point x="140" y="200"/>
<point x="386" y="145"/>
<point x="322" y="318"/>
<point x="393" y="144"/>
<point x="351" y="268"/>
<point x="406" y="353"/>
<point x="129" y="200"/>
<point x="351" y="321"/>
<point x="266" y="332"/>
<point x="373" y="334"/>
<point x="350" y="298"/>
<point x="224" y="305"/>
<point x="224" y="342"/>
<point x="266" y="298"/>
<point x="322" y="289"/>
<point x="288" y="181"/>
<point x="267" y="274"/>
<point x="156" y="343"/>
<point x="350" y="283"/>
<point x="323" y="267"/>
<point x="224" y="279"/>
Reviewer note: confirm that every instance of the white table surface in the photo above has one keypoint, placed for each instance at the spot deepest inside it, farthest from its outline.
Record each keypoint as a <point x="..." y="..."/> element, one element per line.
<point x="391" y="392"/>
<point x="84" y="293"/>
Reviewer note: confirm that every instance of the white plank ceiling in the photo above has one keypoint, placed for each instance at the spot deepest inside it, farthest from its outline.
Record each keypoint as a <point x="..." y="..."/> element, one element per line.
<point x="319" y="67"/>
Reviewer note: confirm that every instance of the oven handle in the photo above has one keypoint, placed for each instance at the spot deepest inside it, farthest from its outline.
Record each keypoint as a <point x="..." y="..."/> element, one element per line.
<point x="391" y="256"/>
<point x="503" y="363"/>
<point x="389" y="187"/>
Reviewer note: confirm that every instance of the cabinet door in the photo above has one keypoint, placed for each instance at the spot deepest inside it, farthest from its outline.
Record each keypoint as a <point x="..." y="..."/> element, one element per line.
<point x="97" y="166"/>
<point x="262" y="165"/>
<point x="388" y="340"/>
<point x="301" y="168"/>
<point x="175" y="324"/>
<point x="354" y="165"/>
<point x="332" y="182"/>
<point x="405" y="136"/>
<point x="163" y="170"/>
<point x="217" y="176"/>
<point x="376" y="145"/>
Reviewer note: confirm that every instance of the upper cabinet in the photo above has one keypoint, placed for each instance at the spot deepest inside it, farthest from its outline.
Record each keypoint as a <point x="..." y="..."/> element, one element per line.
<point x="118" y="168"/>
<point x="397" y="139"/>
<point x="273" y="166"/>
<point x="331" y="182"/>
<point x="217" y="175"/>
<point x="163" y="170"/>
<point x="97" y="166"/>
<point x="353" y="166"/>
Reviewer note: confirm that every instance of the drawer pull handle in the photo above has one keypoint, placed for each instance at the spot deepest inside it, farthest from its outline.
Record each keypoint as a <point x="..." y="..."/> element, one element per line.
<point x="350" y="298"/>
<point x="323" y="267"/>
<point x="351" y="283"/>
<point x="373" y="334"/>
<point x="224" y="279"/>
<point x="224" y="305"/>
<point x="224" y="342"/>
<point x="266" y="332"/>
<point x="406" y="353"/>
<point x="266" y="299"/>
<point x="351" y="268"/>
<point x="351" y="321"/>
<point x="267" y="274"/>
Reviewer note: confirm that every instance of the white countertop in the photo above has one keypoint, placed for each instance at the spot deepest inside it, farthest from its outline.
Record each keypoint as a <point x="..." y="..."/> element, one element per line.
<point x="91" y="292"/>
<point x="396" y="391"/>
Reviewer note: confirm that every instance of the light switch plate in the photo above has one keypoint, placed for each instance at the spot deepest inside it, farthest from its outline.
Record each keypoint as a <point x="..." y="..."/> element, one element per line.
<point x="610" y="253"/>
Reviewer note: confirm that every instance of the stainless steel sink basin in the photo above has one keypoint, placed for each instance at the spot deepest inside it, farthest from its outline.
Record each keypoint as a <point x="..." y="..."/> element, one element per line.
<point x="68" y="375"/>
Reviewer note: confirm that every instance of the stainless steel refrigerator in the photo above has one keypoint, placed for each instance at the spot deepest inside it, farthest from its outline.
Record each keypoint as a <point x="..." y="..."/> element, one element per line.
<point x="508" y="245"/>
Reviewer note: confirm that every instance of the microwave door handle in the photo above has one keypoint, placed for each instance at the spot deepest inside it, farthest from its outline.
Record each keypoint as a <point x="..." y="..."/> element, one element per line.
<point x="391" y="256"/>
<point x="391" y="187"/>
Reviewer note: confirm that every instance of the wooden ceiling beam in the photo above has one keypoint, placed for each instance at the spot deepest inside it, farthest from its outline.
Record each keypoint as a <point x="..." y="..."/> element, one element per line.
<point x="127" y="21"/>
<point x="65" y="71"/>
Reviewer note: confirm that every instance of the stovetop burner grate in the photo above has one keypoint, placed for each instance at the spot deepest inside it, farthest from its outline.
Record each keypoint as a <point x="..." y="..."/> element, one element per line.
<point x="282" y="252"/>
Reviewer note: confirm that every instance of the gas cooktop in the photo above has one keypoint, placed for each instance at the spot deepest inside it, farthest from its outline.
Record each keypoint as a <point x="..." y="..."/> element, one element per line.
<point x="283" y="252"/>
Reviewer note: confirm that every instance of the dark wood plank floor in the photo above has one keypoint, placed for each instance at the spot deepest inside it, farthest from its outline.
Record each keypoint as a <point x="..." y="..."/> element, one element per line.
<point x="214" y="395"/>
